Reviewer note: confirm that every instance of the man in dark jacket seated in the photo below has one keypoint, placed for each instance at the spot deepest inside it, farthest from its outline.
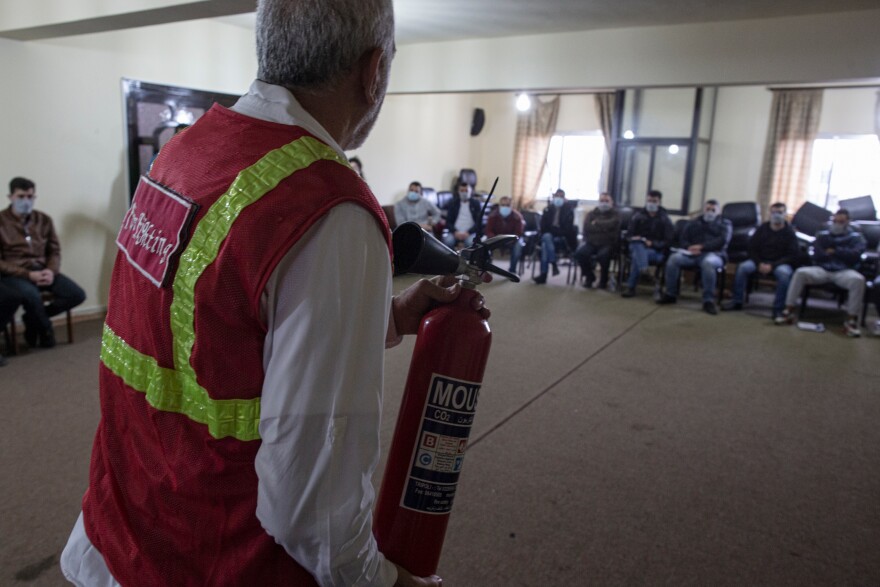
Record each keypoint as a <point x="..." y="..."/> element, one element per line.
<point x="837" y="252"/>
<point x="557" y="230"/>
<point x="650" y="232"/>
<point x="601" y="237"/>
<point x="773" y="249"/>
<point x="703" y="244"/>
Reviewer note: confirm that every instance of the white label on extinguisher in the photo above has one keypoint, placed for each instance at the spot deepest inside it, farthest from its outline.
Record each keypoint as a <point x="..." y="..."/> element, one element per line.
<point x="439" y="450"/>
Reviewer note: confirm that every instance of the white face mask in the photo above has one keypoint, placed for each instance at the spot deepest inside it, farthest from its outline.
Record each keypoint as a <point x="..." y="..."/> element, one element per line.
<point x="652" y="207"/>
<point x="604" y="206"/>
<point x="464" y="195"/>
<point x="22" y="207"/>
<point x="710" y="216"/>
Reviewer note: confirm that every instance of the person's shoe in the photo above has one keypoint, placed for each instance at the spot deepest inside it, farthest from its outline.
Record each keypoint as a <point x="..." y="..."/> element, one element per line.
<point x="628" y="292"/>
<point x="555" y="269"/>
<point x="710" y="308"/>
<point x="603" y="284"/>
<point x="588" y="283"/>
<point x="3" y="361"/>
<point x="666" y="299"/>
<point x="786" y="317"/>
<point x="731" y="307"/>
<point x="47" y="339"/>
<point x="851" y="328"/>
<point x="540" y="279"/>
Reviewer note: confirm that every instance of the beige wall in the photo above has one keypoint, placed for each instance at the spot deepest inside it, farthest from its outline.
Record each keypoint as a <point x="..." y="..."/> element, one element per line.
<point x="796" y="49"/>
<point x="63" y="123"/>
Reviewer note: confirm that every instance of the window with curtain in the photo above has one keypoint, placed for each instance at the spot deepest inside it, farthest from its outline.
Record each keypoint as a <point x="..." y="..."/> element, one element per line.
<point x="574" y="163"/>
<point x="844" y="167"/>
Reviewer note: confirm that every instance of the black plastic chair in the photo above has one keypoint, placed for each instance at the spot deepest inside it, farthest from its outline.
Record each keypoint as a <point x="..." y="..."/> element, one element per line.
<point x="808" y="220"/>
<point x="745" y="217"/>
<point x="861" y="208"/>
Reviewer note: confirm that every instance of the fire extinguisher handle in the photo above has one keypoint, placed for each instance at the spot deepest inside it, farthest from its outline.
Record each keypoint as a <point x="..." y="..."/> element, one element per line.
<point x="499" y="271"/>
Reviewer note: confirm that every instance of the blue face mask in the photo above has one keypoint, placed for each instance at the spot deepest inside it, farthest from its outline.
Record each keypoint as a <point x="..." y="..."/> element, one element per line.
<point x="413" y="196"/>
<point x="604" y="206"/>
<point x="777" y="218"/>
<point x="504" y="211"/>
<point x="22" y="207"/>
<point x="710" y="216"/>
<point x="558" y="202"/>
<point x="652" y="207"/>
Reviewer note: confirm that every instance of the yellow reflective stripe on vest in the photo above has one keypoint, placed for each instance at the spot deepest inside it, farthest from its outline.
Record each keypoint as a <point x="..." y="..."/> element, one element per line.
<point x="172" y="391"/>
<point x="177" y="390"/>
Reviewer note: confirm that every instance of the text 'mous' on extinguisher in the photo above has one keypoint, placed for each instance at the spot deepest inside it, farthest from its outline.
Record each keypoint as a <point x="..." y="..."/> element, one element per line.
<point x="439" y="402"/>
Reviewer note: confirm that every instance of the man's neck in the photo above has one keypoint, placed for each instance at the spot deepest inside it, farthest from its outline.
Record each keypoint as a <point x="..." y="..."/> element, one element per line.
<point x="777" y="227"/>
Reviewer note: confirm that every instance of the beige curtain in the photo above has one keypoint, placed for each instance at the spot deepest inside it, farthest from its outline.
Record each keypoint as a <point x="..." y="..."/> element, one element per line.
<point x="605" y="104"/>
<point x="794" y="120"/>
<point x="534" y="129"/>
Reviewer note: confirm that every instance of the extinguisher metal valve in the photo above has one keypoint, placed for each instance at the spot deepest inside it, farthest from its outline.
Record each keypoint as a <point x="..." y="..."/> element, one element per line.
<point x="479" y="259"/>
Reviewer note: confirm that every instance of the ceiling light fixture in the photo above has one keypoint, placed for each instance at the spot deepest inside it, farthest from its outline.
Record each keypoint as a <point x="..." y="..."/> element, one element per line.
<point x="523" y="102"/>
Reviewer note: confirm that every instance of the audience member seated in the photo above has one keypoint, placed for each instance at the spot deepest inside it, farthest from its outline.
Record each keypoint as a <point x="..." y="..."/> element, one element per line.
<point x="601" y="235"/>
<point x="650" y="233"/>
<point x="462" y="225"/>
<point x="836" y="254"/>
<point x="557" y="230"/>
<point x="505" y="220"/>
<point x="773" y="249"/>
<point x="703" y="244"/>
<point x="30" y="260"/>
<point x="10" y="300"/>
<point x="414" y="207"/>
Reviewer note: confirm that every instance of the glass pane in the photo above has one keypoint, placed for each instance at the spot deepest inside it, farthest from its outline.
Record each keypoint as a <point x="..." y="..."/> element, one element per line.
<point x="636" y="167"/>
<point x="698" y="187"/>
<point x="653" y="113"/>
<point x="707" y="112"/>
<point x="670" y="165"/>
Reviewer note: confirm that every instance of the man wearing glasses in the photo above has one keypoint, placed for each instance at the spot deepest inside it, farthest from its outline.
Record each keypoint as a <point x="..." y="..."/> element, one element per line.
<point x="30" y="262"/>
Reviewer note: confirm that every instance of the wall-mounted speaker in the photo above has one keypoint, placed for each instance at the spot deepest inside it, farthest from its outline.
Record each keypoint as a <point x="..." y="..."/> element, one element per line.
<point x="478" y="121"/>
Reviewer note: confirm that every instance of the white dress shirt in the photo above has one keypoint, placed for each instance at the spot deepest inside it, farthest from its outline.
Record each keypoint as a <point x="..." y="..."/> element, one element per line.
<point x="327" y="308"/>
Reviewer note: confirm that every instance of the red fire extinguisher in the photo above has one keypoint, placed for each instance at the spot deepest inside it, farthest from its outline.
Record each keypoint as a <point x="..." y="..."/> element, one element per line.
<point x="439" y="403"/>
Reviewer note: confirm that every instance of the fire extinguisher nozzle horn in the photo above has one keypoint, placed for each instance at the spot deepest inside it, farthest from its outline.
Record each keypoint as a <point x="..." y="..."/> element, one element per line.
<point x="417" y="251"/>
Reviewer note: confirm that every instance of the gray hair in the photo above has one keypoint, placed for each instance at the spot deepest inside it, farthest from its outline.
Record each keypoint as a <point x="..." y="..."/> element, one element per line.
<point x="309" y="43"/>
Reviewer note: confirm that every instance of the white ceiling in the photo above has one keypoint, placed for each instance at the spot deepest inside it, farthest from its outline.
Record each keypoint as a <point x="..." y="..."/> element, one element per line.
<point x="420" y="21"/>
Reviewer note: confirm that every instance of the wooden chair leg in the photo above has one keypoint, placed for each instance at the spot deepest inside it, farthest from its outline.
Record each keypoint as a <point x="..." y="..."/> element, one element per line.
<point x="69" y="328"/>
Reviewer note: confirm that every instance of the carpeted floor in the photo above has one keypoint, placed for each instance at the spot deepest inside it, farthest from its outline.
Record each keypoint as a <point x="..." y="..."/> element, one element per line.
<point x="616" y="443"/>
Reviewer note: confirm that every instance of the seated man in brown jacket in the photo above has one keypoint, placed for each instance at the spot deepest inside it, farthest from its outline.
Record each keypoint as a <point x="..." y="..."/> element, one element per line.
<point x="30" y="261"/>
<point x="601" y="236"/>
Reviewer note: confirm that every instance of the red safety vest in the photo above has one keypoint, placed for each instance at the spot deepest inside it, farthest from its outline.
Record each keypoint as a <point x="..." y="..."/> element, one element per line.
<point x="172" y="490"/>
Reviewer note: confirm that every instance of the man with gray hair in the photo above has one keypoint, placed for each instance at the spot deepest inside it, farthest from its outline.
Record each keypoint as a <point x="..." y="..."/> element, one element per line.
<point x="241" y="365"/>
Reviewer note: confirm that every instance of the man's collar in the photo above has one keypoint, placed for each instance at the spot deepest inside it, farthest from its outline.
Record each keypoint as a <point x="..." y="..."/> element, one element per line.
<point x="276" y="104"/>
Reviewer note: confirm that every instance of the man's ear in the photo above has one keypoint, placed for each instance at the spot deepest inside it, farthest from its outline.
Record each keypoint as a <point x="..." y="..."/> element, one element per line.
<point x="371" y="61"/>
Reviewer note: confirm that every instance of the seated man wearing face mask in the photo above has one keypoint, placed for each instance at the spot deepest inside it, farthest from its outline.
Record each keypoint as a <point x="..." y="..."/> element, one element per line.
<point x="650" y="232"/>
<point x="601" y="236"/>
<point x="836" y="252"/>
<point x="462" y="217"/>
<point x="773" y="249"/>
<point x="557" y="230"/>
<point x="703" y="244"/>
<point x="505" y="220"/>
<point x="416" y="208"/>
<point x="30" y="260"/>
